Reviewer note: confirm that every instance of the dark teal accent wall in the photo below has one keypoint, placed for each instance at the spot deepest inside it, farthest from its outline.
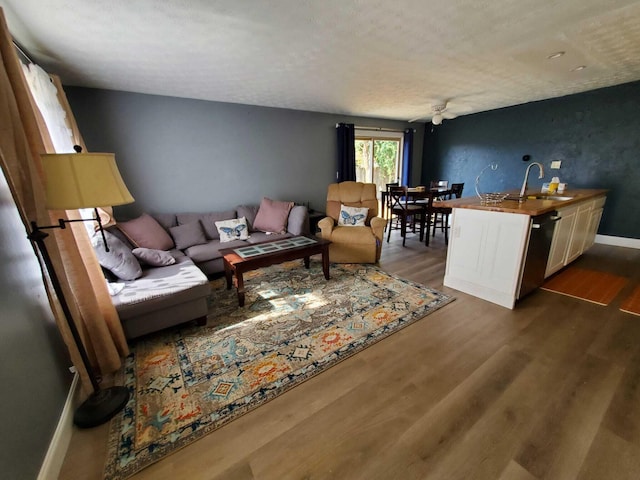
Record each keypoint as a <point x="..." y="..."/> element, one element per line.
<point x="596" y="135"/>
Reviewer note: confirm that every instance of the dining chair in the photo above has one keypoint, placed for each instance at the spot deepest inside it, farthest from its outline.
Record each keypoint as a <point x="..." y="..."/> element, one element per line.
<point x="441" y="214"/>
<point x="438" y="184"/>
<point x="386" y="204"/>
<point x="403" y="211"/>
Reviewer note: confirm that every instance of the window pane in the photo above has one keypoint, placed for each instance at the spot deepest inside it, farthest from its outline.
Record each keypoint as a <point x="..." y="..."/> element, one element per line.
<point x="364" y="147"/>
<point x="386" y="155"/>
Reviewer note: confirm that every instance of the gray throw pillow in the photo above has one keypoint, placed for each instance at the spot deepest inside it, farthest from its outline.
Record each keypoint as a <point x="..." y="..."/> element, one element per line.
<point x="154" y="258"/>
<point x="188" y="235"/>
<point x="118" y="260"/>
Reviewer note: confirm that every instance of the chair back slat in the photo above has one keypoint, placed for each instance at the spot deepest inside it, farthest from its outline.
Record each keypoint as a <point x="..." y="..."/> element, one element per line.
<point x="456" y="189"/>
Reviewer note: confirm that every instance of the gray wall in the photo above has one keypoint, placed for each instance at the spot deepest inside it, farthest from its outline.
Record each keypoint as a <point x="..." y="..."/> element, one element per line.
<point x="33" y="360"/>
<point x="596" y="135"/>
<point x="179" y="154"/>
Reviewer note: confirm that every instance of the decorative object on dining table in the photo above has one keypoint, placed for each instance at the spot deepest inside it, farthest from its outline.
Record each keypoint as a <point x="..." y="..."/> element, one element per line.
<point x="493" y="198"/>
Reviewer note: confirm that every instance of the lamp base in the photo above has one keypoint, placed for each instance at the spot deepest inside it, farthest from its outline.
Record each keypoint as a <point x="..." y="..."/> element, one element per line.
<point x="101" y="406"/>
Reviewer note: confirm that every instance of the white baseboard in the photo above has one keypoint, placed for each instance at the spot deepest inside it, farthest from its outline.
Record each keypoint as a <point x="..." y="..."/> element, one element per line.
<point x="52" y="463"/>
<point x="618" y="241"/>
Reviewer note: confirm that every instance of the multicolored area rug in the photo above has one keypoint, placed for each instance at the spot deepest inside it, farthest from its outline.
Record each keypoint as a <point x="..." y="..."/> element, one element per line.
<point x="187" y="382"/>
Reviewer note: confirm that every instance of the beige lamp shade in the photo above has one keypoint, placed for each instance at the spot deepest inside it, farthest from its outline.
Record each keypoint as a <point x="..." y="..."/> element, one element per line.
<point x="83" y="180"/>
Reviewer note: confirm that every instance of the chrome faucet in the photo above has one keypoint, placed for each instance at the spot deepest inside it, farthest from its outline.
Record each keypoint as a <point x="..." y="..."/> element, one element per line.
<point x="523" y="190"/>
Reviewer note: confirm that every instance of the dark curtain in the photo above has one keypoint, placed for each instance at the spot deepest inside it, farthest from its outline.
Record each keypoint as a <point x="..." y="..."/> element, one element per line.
<point x="346" y="152"/>
<point x="407" y="155"/>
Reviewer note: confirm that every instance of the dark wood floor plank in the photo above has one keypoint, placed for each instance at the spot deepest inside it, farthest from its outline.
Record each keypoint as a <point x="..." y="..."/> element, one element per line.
<point x="611" y="457"/>
<point x="623" y="416"/>
<point x="561" y="439"/>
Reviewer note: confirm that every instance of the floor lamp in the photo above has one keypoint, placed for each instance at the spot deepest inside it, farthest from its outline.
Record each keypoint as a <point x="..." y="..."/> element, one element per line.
<point x="73" y="181"/>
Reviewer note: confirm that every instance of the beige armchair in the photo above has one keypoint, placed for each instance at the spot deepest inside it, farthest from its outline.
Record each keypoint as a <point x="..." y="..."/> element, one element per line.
<point x="353" y="244"/>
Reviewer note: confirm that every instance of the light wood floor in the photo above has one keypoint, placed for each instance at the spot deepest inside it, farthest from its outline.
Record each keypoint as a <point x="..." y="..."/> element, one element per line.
<point x="550" y="390"/>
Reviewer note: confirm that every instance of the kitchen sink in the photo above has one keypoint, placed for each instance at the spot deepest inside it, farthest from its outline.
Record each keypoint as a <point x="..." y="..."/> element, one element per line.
<point x="558" y="198"/>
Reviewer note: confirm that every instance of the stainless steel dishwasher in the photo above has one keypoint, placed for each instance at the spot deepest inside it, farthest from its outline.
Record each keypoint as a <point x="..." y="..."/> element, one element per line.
<point x="535" y="264"/>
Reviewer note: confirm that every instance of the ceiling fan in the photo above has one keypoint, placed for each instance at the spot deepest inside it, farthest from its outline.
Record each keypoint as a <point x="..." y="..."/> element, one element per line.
<point x="439" y="111"/>
<point x="444" y="109"/>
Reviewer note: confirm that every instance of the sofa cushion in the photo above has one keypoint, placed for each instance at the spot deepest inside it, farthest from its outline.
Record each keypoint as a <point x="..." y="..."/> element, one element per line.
<point x="146" y="232"/>
<point x="154" y="258"/>
<point x="298" y="222"/>
<point x="163" y="286"/>
<point x="208" y="221"/>
<point x="187" y="235"/>
<point x="167" y="220"/>
<point x="272" y="216"/>
<point x="234" y="229"/>
<point x="249" y="212"/>
<point x="211" y="249"/>
<point x="118" y="260"/>
<point x="353" y="235"/>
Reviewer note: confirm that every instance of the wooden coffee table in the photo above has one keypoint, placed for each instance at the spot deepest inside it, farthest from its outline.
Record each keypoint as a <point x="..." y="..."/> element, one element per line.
<point x="258" y="255"/>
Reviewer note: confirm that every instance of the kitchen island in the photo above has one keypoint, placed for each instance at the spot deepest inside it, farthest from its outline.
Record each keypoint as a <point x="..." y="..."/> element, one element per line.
<point x="495" y="251"/>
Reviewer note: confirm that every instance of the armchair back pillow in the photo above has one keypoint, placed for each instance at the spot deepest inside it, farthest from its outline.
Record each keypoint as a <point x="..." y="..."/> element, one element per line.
<point x="352" y="216"/>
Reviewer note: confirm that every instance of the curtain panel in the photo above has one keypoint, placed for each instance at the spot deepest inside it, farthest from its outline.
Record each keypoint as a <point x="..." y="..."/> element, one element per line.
<point x="23" y="137"/>
<point x="346" y="152"/>
<point x="407" y="155"/>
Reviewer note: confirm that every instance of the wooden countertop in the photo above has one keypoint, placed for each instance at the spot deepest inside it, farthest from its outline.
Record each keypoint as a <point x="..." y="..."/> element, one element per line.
<point x="531" y="207"/>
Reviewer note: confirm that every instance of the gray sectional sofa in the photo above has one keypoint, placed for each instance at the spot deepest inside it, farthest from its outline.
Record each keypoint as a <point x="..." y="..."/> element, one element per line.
<point x="167" y="295"/>
<point x="207" y="255"/>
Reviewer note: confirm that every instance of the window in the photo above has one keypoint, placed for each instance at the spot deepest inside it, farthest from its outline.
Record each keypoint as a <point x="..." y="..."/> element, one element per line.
<point x="378" y="157"/>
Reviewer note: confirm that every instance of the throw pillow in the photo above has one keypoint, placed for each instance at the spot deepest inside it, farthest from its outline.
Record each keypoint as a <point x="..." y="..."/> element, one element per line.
<point x="272" y="216"/>
<point x="188" y="235"/>
<point x="352" y="216"/>
<point x="154" y="258"/>
<point x="208" y="221"/>
<point x="146" y="232"/>
<point x="235" y="229"/>
<point x="118" y="260"/>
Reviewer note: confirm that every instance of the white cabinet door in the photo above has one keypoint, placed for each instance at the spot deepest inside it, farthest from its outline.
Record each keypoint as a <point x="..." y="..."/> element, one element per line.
<point x="485" y="254"/>
<point x="579" y="234"/>
<point x="561" y="239"/>
<point x="594" y="223"/>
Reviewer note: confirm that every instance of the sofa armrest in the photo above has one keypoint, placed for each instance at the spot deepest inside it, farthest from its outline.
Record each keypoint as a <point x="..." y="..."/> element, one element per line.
<point x="377" y="225"/>
<point x="298" y="222"/>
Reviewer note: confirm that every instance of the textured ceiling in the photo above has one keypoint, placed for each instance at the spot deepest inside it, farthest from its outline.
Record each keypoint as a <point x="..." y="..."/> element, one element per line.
<point x="373" y="58"/>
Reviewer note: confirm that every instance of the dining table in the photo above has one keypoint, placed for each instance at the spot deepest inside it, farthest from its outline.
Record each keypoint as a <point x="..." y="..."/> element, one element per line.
<point x="417" y="193"/>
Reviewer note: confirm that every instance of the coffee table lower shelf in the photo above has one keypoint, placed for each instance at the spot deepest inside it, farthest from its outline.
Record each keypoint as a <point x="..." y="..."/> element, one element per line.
<point x="234" y="264"/>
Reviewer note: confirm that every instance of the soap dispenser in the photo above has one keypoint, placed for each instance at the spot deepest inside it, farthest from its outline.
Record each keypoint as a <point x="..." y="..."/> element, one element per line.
<point x="553" y="185"/>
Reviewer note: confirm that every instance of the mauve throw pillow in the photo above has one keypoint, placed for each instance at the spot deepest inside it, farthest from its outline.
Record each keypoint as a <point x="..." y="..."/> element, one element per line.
<point x="118" y="260"/>
<point x="153" y="258"/>
<point x="188" y="235"/>
<point x="272" y="216"/>
<point x="146" y="232"/>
